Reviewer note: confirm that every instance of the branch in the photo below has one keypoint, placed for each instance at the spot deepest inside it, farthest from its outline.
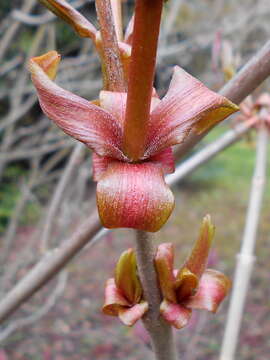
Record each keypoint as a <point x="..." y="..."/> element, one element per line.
<point x="49" y="266"/>
<point x="58" y="193"/>
<point x="42" y="311"/>
<point x="159" y="331"/>
<point x="241" y="85"/>
<point x="111" y="54"/>
<point x="6" y="40"/>
<point x="37" y="20"/>
<point x="246" y="257"/>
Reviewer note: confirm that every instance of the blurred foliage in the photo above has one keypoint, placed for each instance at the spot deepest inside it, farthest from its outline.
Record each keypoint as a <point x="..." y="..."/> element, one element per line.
<point x="233" y="165"/>
<point x="6" y="6"/>
<point x="9" y="195"/>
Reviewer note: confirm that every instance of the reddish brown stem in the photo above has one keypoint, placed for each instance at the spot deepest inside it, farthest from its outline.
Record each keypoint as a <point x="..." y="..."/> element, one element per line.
<point x="141" y="75"/>
<point x="112" y="66"/>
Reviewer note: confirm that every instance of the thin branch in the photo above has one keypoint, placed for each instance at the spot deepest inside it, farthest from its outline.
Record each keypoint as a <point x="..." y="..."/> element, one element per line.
<point x="246" y="257"/>
<point x="36" y="151"/>
<point x="49" y="266"/>
<point x="37" y="315"/>
<point x="58" y="193"/>
<point x="37" y="20"/>
<point x="111" y="54"/>
<point x="159" y="331"/>
<point x="10" y="65"/>
<point x="117" y="16"/>
<point x="12" y="30"/>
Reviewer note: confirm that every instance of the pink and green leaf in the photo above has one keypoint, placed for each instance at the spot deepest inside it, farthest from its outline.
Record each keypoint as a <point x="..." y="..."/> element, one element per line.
<point x="126" y="277"/>
<point x="213" y="288"/>
<point x="134" y="196"/>
<point x="164" y="266"/>
<point x="48" y="63"/>
<point x="198" y="258"/>
<point x="175" y="314"/>
<point x="188" y="105"/>
<point x="76" y="116"/>
<point x="129" y="316"/>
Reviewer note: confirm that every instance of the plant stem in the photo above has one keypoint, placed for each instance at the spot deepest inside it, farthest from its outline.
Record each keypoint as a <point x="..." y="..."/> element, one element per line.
<point x="141" y="75"/>
<point x="159" y="331"/>
<point x="246" y="257"/>
<point x="117" y="16"/>
<point x="112" y="66"/>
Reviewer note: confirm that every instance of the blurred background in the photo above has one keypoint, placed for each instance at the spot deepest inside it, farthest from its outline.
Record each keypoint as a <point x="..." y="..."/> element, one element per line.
<point x="46" y="187"/>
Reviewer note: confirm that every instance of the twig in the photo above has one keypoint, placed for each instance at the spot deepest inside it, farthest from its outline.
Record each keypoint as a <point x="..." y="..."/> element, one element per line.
<point x="159" y="331"/>
<point x="246" y="257"/>
<point x="58" y="193"/>
<point x="35" y="151"/>
<point x="10" y="65"/>
<point x="11" y="30"/>
<point x="37" y="20"/>
<point x="114" y="74"/>
<point x="49" y="266"/>
<point x="37" y="315"/>
<point x="117" y="16"/>
<point x="16" y="114"/>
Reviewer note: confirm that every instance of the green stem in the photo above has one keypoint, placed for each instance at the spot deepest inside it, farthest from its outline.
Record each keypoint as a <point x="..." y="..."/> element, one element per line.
<point x="141" y="75"/>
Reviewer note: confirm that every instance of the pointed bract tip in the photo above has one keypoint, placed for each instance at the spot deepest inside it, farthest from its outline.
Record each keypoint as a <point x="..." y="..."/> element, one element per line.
<point x="208" y="226"/>
<point x="164" y="266"/>
<point x="47" y="62"/>
<point x="198" y="258"/>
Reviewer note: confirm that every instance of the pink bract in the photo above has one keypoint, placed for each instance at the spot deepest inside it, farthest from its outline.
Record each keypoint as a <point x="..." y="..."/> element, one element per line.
<point x="192" y="286"/>
<point x="123" y="293"/>
<point x="130" y="194"/>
